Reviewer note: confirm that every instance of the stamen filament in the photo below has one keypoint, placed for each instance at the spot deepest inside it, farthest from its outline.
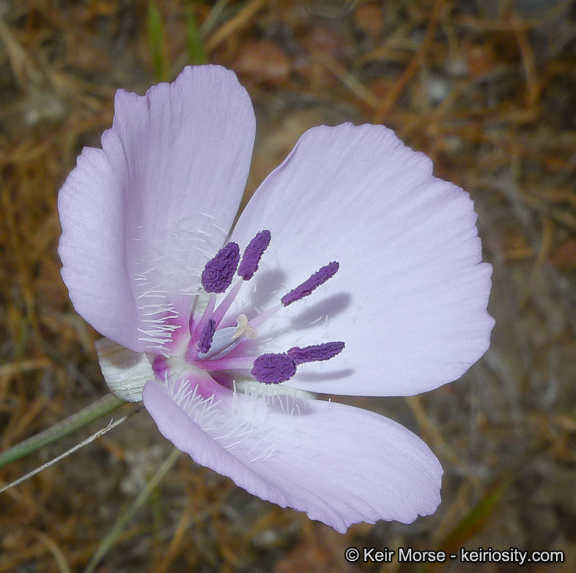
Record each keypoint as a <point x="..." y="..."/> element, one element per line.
<point x="264" y="316"/>
<point x="196" y="329"/>
<point x="226" y="303"/>
<point x="226" y="363"/>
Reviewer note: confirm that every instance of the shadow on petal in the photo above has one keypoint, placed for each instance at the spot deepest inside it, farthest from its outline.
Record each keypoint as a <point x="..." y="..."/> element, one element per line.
<point x="327" y="375"/>
<point x="327" y="308"/>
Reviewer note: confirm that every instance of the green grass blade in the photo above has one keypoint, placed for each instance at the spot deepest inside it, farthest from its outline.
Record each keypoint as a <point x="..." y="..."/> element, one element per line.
<point x="476" y="518"/>
<point x="156" y="39"/>
<point x="101" y="407"/>
<point x="469" y="525"/>
<point x="194" y="40"/>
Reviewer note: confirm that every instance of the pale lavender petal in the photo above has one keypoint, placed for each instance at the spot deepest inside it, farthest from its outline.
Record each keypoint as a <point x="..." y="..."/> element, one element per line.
<point x="409" y="298"/>
<point x="142" y="216"/>
<point x="341" y="465"/>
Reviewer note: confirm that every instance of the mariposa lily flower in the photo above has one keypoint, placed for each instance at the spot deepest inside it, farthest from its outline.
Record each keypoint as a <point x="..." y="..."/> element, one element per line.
<point x="352" y="271"/>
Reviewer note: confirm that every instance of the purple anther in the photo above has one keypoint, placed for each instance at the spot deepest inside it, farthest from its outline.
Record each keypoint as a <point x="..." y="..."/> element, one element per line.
<point x="273" y="368"/>
<point x="205" y="342"/>
<point x="219" y="271"/>
<point x="252" y="255"/>
<point x="306" y="288"/>
<point x="315" y="353"/>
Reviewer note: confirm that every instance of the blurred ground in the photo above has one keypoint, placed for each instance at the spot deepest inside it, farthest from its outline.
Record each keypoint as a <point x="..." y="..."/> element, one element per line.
<point x="487" y="89"/>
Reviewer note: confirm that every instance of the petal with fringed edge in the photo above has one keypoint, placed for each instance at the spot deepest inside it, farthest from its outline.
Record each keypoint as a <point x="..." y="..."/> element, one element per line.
<point x="141" y="216"/>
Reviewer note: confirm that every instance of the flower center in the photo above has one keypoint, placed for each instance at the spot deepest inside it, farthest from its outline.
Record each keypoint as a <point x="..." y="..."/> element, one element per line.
<point x="217" y="343"/>
<point x="216" y="346"/>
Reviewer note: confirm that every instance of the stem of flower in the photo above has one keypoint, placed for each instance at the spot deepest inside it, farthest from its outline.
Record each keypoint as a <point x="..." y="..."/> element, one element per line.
<point x="101" y="407"/>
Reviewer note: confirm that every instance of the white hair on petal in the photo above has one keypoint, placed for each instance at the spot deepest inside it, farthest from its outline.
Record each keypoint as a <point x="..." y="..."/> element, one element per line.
<point x="180" y="272"/>
<point x="229" y="426"/>
<point x="273" y="390"/>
